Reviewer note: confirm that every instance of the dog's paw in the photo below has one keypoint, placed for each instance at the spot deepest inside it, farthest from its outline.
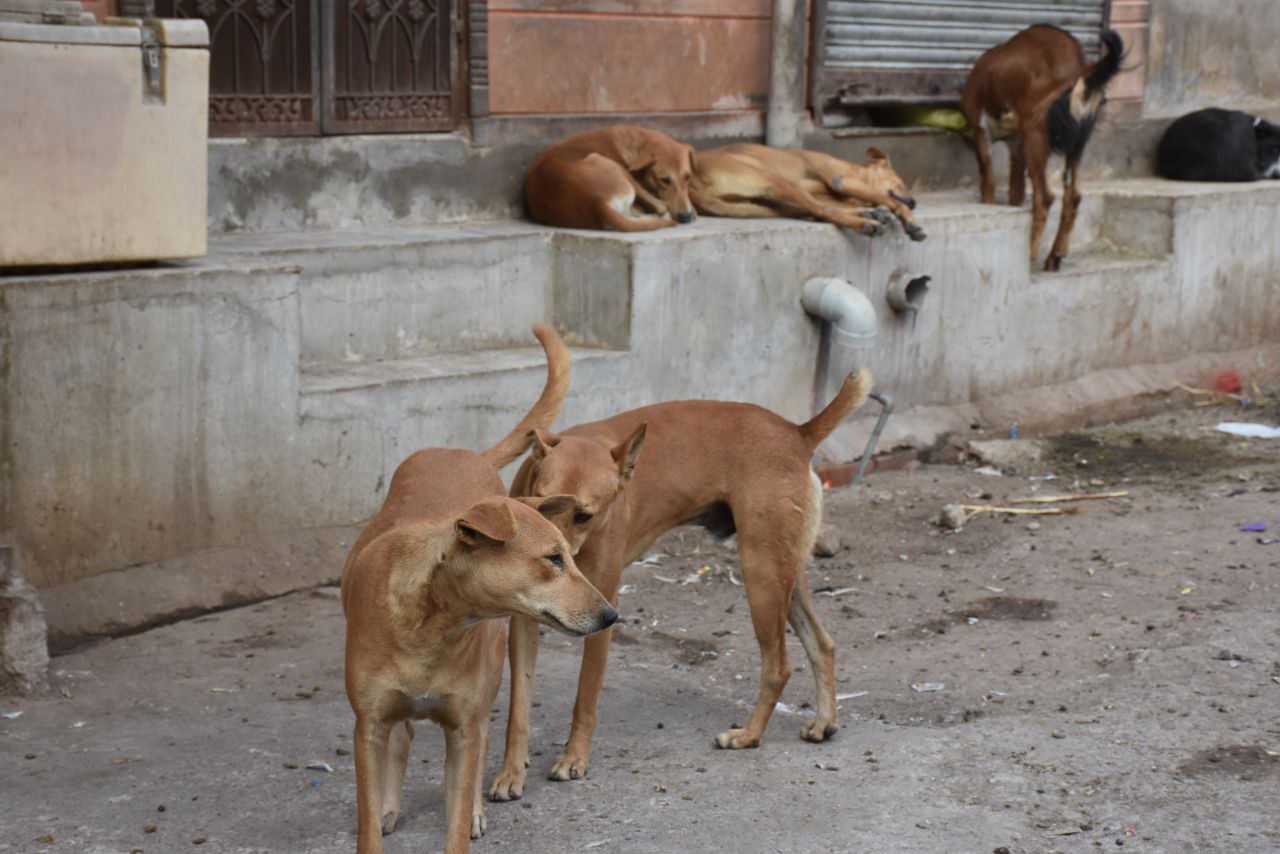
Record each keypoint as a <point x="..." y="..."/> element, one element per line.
<point x="881" y="215"/>
<point x="817" y="731"/>
<point x="478" y="825"/>
<point x="736" y="739"/>
<point x="389" y="819"/>
<point x="914" y="231"/>
<point x="569" y="767"/>
<point x="508" y="785"/>
<point x="871" y="228"/>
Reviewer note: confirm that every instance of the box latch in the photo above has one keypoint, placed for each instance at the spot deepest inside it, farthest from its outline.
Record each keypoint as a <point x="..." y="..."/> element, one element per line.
<point x="152" y="80"/>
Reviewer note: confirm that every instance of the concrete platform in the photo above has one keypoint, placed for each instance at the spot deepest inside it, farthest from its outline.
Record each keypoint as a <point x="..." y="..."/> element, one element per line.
<point x="248" y="410"/>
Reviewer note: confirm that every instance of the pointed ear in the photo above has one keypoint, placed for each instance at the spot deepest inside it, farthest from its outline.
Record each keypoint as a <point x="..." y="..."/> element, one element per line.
<point x="489" y="520"/>
<point x="625" y="454"/>
<point x="543" y="441"/>
<point x="876" y="154"/>
<point x="553" y="505"/>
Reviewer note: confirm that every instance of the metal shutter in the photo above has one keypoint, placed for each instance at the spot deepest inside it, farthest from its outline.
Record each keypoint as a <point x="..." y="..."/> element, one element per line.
<point x="922" y="50"/>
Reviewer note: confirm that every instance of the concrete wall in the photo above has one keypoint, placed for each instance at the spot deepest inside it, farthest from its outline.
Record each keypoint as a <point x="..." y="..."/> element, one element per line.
<point x="1219" y="54"/>
<point x="197" y="435"/>
<point x="627" y="56"/>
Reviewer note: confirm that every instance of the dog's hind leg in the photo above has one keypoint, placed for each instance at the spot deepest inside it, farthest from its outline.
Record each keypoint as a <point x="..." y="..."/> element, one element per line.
<point x="618" y="221"/>
<point x="769" y="572"/>
<point x="522" y="649"/>
<point x="393" y="774"/>
<point x="821" y="651"/>
<point x="1070" y="207"/>
<point x="371" y="759"/>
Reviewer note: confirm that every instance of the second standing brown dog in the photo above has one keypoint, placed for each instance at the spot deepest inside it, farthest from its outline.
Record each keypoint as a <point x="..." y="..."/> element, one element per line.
<point x="728" y="466"/>
<point x="608" y="178"/>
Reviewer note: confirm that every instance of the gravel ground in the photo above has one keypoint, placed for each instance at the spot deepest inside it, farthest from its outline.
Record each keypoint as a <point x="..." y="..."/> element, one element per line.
<point x="1109" y="678"/>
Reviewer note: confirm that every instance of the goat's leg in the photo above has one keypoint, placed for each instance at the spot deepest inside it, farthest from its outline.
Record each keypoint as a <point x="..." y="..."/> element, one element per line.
<point x="1017" y="173"/>
<point x="1035" y="143"/>
<point x="1070" y="206"/>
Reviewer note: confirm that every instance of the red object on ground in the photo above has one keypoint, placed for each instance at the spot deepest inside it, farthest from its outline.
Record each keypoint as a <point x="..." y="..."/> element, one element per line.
<point x="1227" y="381"/>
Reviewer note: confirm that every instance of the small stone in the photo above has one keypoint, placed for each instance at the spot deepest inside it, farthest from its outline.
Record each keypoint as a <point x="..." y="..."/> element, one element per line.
<point x="829" y="542"/>
<point x="24" y="649"/>
<point x="150" y="828"/>
<point x="1057" y="733"/>
<point x="1033" y="526"/>
<point x="953" y="517"/>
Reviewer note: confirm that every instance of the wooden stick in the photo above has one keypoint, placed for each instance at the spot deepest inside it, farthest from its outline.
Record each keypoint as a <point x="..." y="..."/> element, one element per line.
<point x="974" y="509"/>
<point x="1054" y="499"/>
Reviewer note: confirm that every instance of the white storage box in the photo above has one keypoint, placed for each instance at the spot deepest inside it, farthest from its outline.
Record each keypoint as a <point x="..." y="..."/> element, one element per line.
<point x="103" y="141"/>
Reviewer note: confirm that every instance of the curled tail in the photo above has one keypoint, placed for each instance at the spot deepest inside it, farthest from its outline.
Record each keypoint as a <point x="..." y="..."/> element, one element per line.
<point x="851" y="395"/>
<point x="547" y="407"/>
<point x="1073" y="115"/>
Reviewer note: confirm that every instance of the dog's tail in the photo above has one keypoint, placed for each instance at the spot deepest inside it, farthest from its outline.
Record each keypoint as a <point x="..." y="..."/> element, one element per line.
<point x="852" y="394"/>
<point x="1073" y="115"/>
<point x="544" y="411"/>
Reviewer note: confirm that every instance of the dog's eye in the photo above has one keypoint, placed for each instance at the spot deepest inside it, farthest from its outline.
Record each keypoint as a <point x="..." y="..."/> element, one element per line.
<point x="581" y="518"/>
<point x="556" y="560"/>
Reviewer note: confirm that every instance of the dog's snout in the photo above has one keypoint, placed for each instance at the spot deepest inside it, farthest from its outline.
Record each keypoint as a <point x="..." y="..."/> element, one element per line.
<point x="684" y="216"/>
<point x="608" y="618"/>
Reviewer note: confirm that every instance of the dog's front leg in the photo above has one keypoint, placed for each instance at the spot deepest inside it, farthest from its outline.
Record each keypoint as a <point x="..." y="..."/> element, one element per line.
<point x="371" y="759"/>
<point x="522" y="649"/>
<point x="393" y="774"/>
<point x="576" y="756"/>
<point x="461" y="770"/>
<point x="646" y="199"/>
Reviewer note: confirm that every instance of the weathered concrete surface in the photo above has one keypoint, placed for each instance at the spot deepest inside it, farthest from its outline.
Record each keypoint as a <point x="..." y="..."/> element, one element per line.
<point x="259" y="401"/>
<point x="1090" y="701"/>
<point x="24" y="651"/>
<point x="1219" y="54"/>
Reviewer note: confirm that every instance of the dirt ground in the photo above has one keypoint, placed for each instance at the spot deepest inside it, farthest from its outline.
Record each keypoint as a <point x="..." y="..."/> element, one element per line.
<point x="1109" y="678"/>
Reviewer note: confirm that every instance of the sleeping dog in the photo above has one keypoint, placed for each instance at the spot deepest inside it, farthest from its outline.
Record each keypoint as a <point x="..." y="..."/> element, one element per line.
<point x="1220" y="145"/>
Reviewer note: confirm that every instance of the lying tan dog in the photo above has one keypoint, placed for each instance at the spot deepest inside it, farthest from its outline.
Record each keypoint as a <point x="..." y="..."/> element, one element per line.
<point x="747" y="180"/>
<point x="728" y="466"/>
<point x="446" y="555"/>
<point x="607" y="178"/>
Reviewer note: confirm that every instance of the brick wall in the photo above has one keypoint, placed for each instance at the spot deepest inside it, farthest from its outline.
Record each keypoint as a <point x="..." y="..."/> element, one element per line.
<point x="1132" y="20"/>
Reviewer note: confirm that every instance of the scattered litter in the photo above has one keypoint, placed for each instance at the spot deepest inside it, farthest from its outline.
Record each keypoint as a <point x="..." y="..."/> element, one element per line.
<point x="733" y="579"/>
<point x="925" y="687"/>
<point x="653" y="558"/>
<point x="1254" y="527"/>
<point x="833" y="591"/>
<point x="1268" y="541"/>
<point x="224" y="690"/>
<point x="597" y="844"/>
<point x="1186" y="591"/>
<point x="975" y="509"/>
<point x="1228" y="655"/>
<point x="10" y="716"/>
<point x="903" y="558"/>
<point x="989" y="471"/>
<point x="691" y="578"/>
<point x="1033" y="526"/>
<point x="1063" y="831"/>
<point x="994" y="693"/>
<point x="317" y="782"/>
<point x="787" y="708"/>
<point x="79" y="724"/>
<point x="320" y="766"/>
<point x="1251" y="431"/>
<point x="1054" y="499"/>
<point x="852" y="695"/>
<point x="664" y="578"/>
<point x="973" y="621"/>
<point x="627" y="588"/>
<point x="1042" y="477"/>
<point x="821" y="766"/>
<point x="993" y="589"/>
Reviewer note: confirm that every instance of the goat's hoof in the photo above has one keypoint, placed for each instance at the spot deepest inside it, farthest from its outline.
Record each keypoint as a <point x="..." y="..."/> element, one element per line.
<point x="1053" y="263"/>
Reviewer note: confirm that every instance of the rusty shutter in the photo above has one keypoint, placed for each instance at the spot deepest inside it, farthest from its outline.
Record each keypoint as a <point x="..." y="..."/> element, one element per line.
<point x="922" y="50"/>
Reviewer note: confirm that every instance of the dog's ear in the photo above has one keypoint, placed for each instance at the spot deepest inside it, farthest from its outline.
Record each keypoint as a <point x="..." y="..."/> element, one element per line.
<point x="877" y="155"/>
<point x="641" y="160"/>
<point x="552" y="505"/>
<point x="543" y="441"/>
<point x="489" y="520"/>
<point x="693" y="159"/>
<point x="625" y="454"/>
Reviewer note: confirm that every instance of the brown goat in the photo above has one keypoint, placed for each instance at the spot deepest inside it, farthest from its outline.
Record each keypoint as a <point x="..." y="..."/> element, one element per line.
<point x="1038" y="94"/>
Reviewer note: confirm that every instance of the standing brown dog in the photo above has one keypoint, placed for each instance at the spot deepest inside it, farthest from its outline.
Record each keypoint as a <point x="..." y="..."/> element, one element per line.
<point x="728" y="466"/>
<point x="444" y="557"/>
<point x="1037" y="92"/>
<point x="597" y="179"/>
<point x="748" y="180"/>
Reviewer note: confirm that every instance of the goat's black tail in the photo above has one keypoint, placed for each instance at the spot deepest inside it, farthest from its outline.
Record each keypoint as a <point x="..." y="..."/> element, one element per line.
<point x="1075" y="112"/>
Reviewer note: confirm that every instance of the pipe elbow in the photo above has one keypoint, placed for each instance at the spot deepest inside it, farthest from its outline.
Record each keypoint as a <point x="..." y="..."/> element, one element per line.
<point x="852" y="317"/>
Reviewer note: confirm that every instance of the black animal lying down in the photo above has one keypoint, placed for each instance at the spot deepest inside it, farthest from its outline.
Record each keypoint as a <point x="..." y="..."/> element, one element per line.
<point x="1220" y="145"/>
